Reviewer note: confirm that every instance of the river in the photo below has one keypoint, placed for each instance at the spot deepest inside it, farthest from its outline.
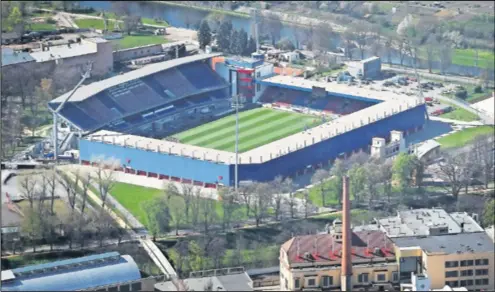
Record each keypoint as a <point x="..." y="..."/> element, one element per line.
<point x="184" y="17"/>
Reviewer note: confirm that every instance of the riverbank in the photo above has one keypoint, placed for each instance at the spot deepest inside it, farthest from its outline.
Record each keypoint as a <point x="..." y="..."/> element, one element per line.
<point x="221" y="11"/>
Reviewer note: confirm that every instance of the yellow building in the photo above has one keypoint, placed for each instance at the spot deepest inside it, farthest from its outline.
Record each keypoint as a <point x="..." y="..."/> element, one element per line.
<point x="456" y="260"/>
<point x="313" y="262"/>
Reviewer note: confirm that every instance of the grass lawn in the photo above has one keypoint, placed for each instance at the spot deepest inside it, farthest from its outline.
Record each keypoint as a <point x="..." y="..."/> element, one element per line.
<point x="151" y="21"/>
<point x="40" y="26"/>
<point x="315" y="195"/>
<point x="463" y="137"/>
<point x="132" y="41"/>
<point x="460" y="114"/>
<point x="257" y="127"/>
<point x="132" y="196"/>
<point x="467" y="57"/>
<point x="93" y="23"/>
<point x="59" y="206"/>
<point x="473" y="97"/>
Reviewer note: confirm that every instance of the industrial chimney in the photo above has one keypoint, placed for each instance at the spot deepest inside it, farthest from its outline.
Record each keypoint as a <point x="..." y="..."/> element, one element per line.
<point x="346" y="264"/>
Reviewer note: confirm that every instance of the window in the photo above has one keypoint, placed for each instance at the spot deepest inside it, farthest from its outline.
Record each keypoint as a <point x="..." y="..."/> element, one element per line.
<point x="466" y="273"/>
<point x="482" y="272"/>
<point x="452" y="264"/>
<point x="363" y="278"/>
<point x="258" y="87"/>
<point x="452" y="283"/>
<point x="451" y="274"/>
<point x="258" y="74"/>
<point x="466" y="263"/>
<point x="326" y="281"/>
<point x="296" y="283"/>
<point x="381" y="278"/>
<point x="395" y="277"/>
<point x="469" y="283"/>
<point x="485" y="281"/>
<point x="463" y="283"/>
<point x="482" y="282"/>
<point x="312" y="282"/>
<point x="482" y="262"/>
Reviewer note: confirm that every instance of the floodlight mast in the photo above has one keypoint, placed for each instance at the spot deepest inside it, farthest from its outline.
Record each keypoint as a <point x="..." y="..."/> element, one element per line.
<point x="85" y="76"/>
<point x="236" y="104"/>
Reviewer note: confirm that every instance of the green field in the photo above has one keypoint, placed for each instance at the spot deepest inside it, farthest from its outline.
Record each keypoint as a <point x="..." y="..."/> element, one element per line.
<point x="93" y="23"/>
<point x="460" y="114"/>
<point x="132" y="41"/>
<point x="465" y="136"/>
<point x="257" y="127"/>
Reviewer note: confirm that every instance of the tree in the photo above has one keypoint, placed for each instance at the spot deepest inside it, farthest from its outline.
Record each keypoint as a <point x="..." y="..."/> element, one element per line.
<point x="124" y="11"/>
<point x="224" y="35"/>
<point x="50" y="177"/>
<point x="204" y="34"/>
<point x="349" y="39"/>
<point x="246" y="193"/>
<point x="157" y="216"/>
<point x="103" y="224"/>
<point x="452" y="171"/>
<point x="229" y="205"/>
<point x="178" y="213"/>
<point x="489" y="213"/>
<point x="322" y="37"/>
<point x="388" y="49"/>
<point x="15" y="21"/>
<point x="214" y="20"/>
<point x="357" y="181"/>
<point x="32" y="227"/>
<point x="243" y="41"/>
<point x="251" y="46"/>
<point x="262" y="199"/>
<point x="445" y="54"/>
<point x="105" y="178"/>
<point x="361" y="32"/>
<point x="319" y="178"/>
<point x="385" y="171"/>
<point x="338" y="170"/>
<point x="372" y="180"/>
<point x="235" y="43"/>
<point x="431" y="49"/>
<point x="207" y="214"/>
<point x="278" y="194"/>
<point x="401" y="171"/>
<point x="289" y="186"/>
<point x="307" y="203"/>
<point x="27" y="187"/>
<point x="484" y="158"/>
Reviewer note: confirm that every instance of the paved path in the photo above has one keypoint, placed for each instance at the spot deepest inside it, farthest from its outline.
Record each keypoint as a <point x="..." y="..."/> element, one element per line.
<point x="426" y="74"/>
<point x="61" y="247"/>
<point x="473" y="123"/>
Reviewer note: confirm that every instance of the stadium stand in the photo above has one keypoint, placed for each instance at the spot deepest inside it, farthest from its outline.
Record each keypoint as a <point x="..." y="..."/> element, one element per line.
<point x="331" y="104"/>
<point x="146" y="98"/>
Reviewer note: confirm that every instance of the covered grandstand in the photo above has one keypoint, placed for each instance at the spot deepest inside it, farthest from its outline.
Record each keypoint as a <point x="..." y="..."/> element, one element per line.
<point x="126" y="102"/>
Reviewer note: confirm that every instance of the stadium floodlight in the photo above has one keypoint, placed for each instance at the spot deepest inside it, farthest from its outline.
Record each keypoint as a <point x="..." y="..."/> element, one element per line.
<point x="84" y="76"/>
<point x="237" y="102"/>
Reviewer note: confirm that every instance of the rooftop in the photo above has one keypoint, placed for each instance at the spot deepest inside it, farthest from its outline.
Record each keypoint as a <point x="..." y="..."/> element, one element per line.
<point x="9" y="57"/>
<point x="75" y="274"/>
<point x="89" y="90"/>
<point x="426" y="147"/>
<point x="449" y="243"/>
<point x="325" y="249"/>
<point x="64" y="51"/>
<point x="420" y="221"/>
<point x="233" y="282"/>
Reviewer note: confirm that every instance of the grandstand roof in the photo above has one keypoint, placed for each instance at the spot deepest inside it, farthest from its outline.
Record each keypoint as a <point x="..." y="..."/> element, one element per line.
<point x="336" y="88"/>
<point x="87" y="91"/>
<point x="76" y="274"/>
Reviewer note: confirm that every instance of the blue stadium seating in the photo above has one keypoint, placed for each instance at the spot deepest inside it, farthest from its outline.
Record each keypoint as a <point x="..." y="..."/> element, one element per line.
<point x="77" y="116"/>
<point x="200" y="74"/>
<point x="104" y="98"/>
<point x="96" y="109"/>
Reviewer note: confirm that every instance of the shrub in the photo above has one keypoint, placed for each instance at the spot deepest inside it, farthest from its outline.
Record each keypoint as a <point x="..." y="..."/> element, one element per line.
<point x="478" y="89"/>
<point x="462" y="94"/>
<point x="50" y="20"/>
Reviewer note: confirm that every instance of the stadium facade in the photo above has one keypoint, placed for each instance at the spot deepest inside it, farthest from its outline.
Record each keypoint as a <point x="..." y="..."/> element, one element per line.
<point x="121" y="118"/>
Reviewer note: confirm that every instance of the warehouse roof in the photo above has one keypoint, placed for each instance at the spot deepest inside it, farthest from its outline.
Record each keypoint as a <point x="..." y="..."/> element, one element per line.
<point x="9" y="57"/>
<point x="75" y="274"/>
<point x="64" y="51"/>
<point x="449" y="243"/>
<point x="89" y="90"/>
<point x="233" y="282"/>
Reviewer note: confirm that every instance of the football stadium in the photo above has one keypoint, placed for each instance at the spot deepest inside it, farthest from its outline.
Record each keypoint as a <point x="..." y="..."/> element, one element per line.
<point x="175" y="120"/>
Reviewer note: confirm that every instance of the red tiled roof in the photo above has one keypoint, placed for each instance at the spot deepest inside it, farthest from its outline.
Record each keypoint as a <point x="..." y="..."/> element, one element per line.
<point x="325" y="253"/>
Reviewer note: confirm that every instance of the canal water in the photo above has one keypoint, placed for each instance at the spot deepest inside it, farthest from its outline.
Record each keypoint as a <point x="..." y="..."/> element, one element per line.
<point x="184" y="17"/>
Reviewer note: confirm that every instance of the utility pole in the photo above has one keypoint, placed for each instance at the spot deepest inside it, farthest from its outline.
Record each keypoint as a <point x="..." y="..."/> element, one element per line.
<point x="237" y="103"/>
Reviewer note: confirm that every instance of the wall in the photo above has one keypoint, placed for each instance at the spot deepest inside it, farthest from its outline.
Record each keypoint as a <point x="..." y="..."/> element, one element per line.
<point x="134" y="53"/>
<point x="329" y="149"/>
<point x="159" y="163"/>
<point x="435" y="268"/>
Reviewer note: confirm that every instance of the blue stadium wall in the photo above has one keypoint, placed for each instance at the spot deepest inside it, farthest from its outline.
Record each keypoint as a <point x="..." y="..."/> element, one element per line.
<point x="330" y="149"/>
<point x="209" y="172"/>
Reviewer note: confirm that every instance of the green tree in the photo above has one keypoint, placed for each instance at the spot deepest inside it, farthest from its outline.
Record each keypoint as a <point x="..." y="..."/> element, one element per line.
<point x="285" y="44"/>
<point x="251" y="47"/>
<point x="224" y="35"/>
<point x="319" y="178"/>
<point x="157" y="216"/>
<point x="243" y="41"/>
<point x="489" y="213"/>
<point x="357" y="181"/>
<point x="337" y="170"/>
<point x="401" y="171"/>
<point x="15" y="21"/>
<point x="235" y="45"/>
<point x="204" y="34"/>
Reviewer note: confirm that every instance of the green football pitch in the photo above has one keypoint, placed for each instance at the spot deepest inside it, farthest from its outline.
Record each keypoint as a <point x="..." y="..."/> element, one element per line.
<point x="257" y="127"/>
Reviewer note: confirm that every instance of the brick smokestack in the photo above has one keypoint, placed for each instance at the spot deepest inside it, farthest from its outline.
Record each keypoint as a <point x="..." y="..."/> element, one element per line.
<point x="346" y="268"/>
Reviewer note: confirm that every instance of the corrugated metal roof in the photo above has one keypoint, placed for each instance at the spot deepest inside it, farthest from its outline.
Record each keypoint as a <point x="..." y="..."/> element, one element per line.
<point x="123" y="270"/>
<point x="10" y="58"/>
<point x="62" y="52"/>
<point x="450" y="243"/>
<point x="96" y="87"/>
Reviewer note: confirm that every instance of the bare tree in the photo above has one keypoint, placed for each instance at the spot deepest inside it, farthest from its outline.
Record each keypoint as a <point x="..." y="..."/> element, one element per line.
<point x="195" y="206"/>
<point x="322" y="37"/>
<point x="484" y="158"/>
<point x="361" y="34"/>
<point x="400" y="44"/>
<point x="289" y="186"/>
<point x="431" y="50"/>
<point x="452" y="171"/>
<point x="262" y="199"/>
<point x="105" y="178"/>
<point x="307" y="203"/>
<point x="319" y="178"/>
<point x="208" y="214"/>
<point x="349" y="39"/>
<point x="214" y="247"/>
<point x="103" y="224"/>
<point x="246" y="193"/>
<point x="445" y="54"/>
<point x="278" y="195"/>
<point x="187" y="193"/>
<point x="27" y="187"/>
<point x="178" y="214"/>
<point x="388" y="44"/>
<point x="86" y="183"/>
<point x="271" y="24"/>
<point x="51" y="179"/>
<point x="70" y="188"/>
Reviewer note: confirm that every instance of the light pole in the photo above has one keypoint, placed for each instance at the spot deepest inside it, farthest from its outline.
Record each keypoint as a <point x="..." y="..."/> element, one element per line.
<point x="237" y="103"/>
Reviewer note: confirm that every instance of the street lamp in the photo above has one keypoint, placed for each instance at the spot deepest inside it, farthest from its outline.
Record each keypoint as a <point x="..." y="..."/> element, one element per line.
<point x="237" y="102"/>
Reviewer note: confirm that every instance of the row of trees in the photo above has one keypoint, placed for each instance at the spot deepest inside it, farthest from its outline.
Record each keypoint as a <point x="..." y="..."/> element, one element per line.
<point x="228" y="39"/>
<point x="81" y="220"/>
